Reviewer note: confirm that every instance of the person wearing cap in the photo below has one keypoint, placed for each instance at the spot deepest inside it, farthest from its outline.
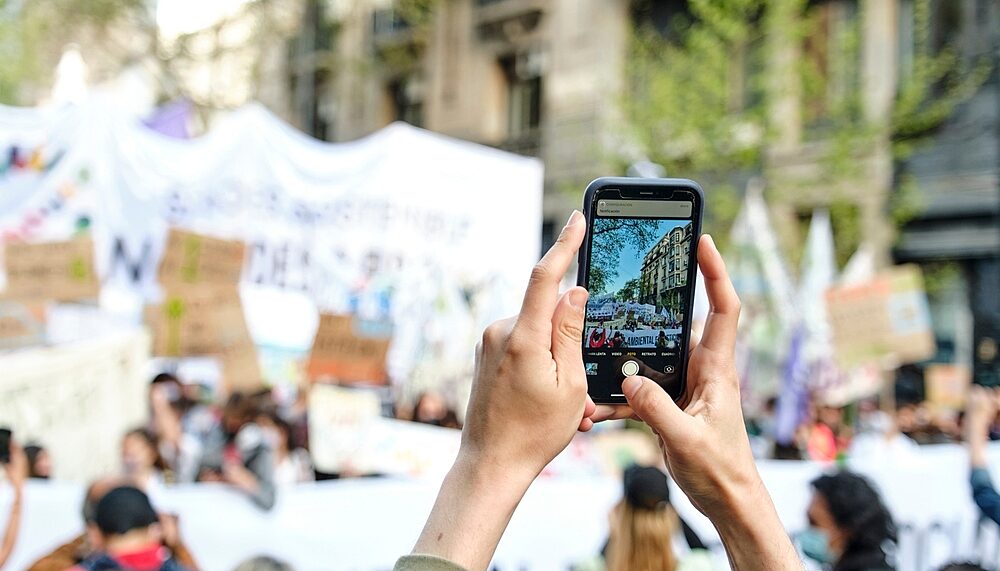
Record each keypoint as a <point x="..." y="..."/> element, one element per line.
<point x="127" y="534"/>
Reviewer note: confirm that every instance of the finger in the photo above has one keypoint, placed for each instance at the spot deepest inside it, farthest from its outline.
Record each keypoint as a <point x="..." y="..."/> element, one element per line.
<point x="589" y="407"/>
<point x="604" y="412"/>
<point x="724" y="314"/>
<point x="543" y="289"/>
<point x="654" y="406"/>
<point x="567" y="336"/>
<point x="585" y="425"/>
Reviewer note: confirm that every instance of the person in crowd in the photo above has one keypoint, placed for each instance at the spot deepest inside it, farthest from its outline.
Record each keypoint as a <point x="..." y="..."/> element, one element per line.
<point x="979" y="416"/>
<point x="430" y="408"/>
<point x="142" y="463"/>
<point x="661" y="340"/>
<point x="823" y="436"/>
<point x="598" y="337"/>
<point x="850" y="529"/>
<point x="529" y="398"/>
<point x="178" y="425"/>
<point x="16" y="470"/>
<point x="263" y="563"/>
<point x="237" y="453"/>
<point x="646" y="531"/>
<point x="81" y="547"/>
<point x="292" y="464"/>
<point x="127" y="534"/>
<point x="39" y="462"/>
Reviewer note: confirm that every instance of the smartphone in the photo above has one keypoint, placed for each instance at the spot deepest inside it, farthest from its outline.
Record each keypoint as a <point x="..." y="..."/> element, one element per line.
<point x="639" y="264"/>
<point x="5" y="435"/>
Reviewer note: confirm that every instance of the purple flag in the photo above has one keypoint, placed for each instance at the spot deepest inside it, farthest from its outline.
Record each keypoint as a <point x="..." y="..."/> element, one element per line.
<point x="172" y="119"/>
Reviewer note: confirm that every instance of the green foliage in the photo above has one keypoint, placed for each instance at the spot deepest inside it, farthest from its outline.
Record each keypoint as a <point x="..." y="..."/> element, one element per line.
<point x="610" y="237"/>
<point x="629" y="291"/>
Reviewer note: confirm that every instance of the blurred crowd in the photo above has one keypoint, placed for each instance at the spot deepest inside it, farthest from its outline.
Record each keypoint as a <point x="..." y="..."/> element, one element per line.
<point x="256" y="445"/>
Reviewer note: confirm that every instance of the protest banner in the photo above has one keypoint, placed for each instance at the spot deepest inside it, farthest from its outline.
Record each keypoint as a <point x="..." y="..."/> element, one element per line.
<point x="59" y="271"/>
<point x="78" y="399"/>
<point x="343" y="353"/>
<point x="193" y="259"/>
<point x="946" y="385"/>
<point x="884" y="318"/>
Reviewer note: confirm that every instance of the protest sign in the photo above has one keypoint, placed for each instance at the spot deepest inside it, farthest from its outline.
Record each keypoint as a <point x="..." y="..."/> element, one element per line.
<point x="193" y="259"/>
<point x="347" y="433"/>
<point x="342" y="352"/>
<point x="946" y="385"/>
<point x="60" y="271"/>
<point x="884" y="318"/>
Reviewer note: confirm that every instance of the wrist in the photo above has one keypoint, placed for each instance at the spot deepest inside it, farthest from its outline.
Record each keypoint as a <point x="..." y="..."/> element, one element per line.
<point x="746" y="510"/>
<point x="492" y="473"/>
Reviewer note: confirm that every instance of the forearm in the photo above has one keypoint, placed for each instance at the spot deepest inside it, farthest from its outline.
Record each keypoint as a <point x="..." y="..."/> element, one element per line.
<point x="13" y="527"/>
<point x="753" y="535"/>
<point x="978" y="434"/>
<point x="472" y="510"/>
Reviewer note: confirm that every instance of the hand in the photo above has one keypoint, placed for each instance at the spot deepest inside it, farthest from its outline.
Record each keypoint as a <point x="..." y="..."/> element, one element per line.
<point x="171" y="529"/>
<point x="238" y="475"/>
<point x="980" y="412"/>
<point x="17" y="468"/>
<point x="529" y="396"/>
<point x="704" y="440"/>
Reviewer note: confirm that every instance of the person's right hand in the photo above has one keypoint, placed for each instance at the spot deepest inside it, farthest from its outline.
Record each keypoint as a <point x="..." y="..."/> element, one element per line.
<point x="17" y="468"/>
<point x="704" y="441"/>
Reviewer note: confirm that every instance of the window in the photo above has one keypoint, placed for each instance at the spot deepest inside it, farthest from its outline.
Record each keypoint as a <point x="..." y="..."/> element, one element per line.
<point x="831" y="61"/>
<point x="524" y="94"/>
<point x="308" y="81"/>
<point x="406" y="99"/>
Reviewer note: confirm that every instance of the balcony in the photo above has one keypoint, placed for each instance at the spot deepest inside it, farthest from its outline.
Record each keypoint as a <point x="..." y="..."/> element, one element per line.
<point x="505" y="20"/>
<point x="390" y="31"/>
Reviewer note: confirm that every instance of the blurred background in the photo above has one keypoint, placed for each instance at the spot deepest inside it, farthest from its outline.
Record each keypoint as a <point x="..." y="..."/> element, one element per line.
<point x="304" y="212"/>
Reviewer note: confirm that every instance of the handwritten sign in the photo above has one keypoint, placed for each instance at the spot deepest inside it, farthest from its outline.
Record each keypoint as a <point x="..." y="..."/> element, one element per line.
<point x="344" y="353"/>
<point x="193" y="259"/>
<point x="947" y="385"/>
<point x="59" y="271"/>
<point x="885" y="318"/>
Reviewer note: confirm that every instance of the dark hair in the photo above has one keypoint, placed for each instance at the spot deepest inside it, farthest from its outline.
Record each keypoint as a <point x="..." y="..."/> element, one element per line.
<point x="857" y="507"/>
<point x="263" y="563"/>
<point x="153" y="442"/>
<point x="165" y="378"/>
<point x="283" y="425"/>
<point x="963" y="566"/>
<point x="33" y="451"/>
<point x="124" y="509"/>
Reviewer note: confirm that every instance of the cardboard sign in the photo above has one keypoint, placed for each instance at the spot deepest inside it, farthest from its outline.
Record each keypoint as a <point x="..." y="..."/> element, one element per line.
<point x="193" y="259"/>
<point x="343" y="353"/>
<point x="885" y="318"/>
<point x="60" y="271"/>
<point x="947" y="385"/>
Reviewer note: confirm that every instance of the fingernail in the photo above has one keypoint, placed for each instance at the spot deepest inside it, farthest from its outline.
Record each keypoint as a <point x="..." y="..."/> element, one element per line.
<point x="630" y="386"/>
<point x="711" y="241"/>
<point x="574" y="218"/>
<point x="578" y="298"/>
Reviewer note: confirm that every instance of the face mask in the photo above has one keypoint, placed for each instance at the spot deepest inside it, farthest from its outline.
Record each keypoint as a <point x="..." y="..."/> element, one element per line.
<point x="815" y="545"/>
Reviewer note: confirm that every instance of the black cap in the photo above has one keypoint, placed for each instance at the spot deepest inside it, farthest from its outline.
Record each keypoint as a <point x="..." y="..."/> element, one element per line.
<point x="646" y="487"/>
<point x="122" y="510"/>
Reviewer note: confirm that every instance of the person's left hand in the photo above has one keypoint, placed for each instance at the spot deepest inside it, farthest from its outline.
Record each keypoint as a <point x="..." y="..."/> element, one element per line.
<point x="529" y="396"/>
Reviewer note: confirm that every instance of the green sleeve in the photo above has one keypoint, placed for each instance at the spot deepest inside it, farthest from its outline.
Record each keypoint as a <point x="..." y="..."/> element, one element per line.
<point x="425" y="563"/>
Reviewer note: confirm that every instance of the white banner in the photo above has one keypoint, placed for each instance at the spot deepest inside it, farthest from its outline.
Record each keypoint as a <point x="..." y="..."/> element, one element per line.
<point x="367" y="523"/>
<point x="77" y="400"/>
<point x="394" y="226"/>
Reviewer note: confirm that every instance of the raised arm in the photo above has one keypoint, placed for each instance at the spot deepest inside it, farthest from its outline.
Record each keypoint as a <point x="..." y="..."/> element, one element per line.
<point x="17" y="473"/>
<point x="529" y="397"/>
<point x="704" y="441"/>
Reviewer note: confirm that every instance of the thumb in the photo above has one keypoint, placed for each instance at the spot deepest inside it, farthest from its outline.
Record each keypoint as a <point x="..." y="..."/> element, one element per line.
<point x="567" y="331"/>
<point x="654" y="406"/>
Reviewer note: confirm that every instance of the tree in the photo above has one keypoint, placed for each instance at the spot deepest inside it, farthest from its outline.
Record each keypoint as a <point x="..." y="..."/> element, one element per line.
<point x="701" y="91"/>
<point x="629" y="291"/>
<point x="610" y="237"/>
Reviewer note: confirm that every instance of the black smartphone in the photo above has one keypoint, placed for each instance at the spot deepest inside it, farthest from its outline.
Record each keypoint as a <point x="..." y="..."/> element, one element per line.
<point x="639" y="264"/>
<point x="5" y="435"/>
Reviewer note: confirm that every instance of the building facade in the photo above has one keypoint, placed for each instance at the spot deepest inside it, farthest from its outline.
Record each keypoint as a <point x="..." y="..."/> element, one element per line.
<point x="665" y="268"/>
<point x="542" y="78"/>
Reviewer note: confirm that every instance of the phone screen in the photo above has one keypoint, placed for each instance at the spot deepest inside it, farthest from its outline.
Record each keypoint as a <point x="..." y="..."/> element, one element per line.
<point x="640" y="274"/>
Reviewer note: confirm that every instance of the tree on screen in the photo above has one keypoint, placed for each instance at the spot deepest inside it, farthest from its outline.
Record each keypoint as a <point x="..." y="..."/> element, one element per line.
<point x="629" y="291"/>
<point x="610" y="237"/>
